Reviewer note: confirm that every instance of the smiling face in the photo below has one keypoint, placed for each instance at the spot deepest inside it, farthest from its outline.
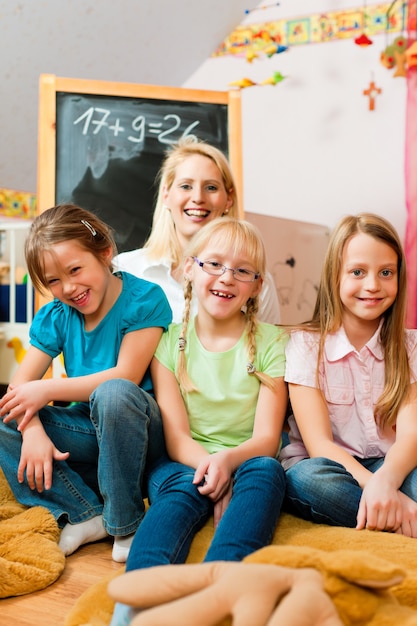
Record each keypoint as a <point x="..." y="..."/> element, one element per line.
<point x="196" y="196"/>
<point x="368" y="280"/>
<point x="79" y="279"/>
<point x="221" y="297"/>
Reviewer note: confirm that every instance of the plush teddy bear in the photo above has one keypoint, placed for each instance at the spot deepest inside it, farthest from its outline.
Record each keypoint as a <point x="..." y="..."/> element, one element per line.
<point x="278" y="585"/>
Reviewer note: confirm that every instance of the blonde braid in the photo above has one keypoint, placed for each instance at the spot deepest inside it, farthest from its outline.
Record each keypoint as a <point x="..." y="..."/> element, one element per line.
<point x="184" y="380"/>
<point x="251" y="327"/>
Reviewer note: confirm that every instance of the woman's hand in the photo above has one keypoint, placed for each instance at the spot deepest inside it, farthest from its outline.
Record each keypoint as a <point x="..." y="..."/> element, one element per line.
<point x="36" y="458"/>
<point x="22" y="402"/>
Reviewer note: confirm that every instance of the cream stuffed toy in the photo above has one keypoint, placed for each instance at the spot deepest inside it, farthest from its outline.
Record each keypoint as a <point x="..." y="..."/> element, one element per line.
<point x="275" y="586"/>
<point x="207" y="593"/>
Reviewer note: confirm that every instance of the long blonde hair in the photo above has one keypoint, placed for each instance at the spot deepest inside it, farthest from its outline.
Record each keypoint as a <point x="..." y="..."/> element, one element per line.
<point x="163" y="241"/>
<point x="234" y="235"/>
<point x="63" y="223"/>
<point x="327" y="316"/>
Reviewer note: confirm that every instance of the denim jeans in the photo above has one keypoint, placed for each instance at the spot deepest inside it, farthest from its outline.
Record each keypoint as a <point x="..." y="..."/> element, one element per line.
<point x="178" y="511"/>
<point x="111" y="440"/>
<point x="322" y="491"/>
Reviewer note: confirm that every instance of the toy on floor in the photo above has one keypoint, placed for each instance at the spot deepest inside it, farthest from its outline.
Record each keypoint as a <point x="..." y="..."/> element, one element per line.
<point x="278" y="585"/>
<point x="207" y="593"/>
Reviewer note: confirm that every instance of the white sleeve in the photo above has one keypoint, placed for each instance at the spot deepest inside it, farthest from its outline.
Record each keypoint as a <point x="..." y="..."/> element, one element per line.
<point x="131" y="262"/>
<point x="269" y="310"/>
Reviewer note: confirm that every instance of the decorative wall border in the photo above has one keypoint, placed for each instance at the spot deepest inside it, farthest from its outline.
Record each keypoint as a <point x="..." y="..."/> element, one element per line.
<point x="268" y="37"/>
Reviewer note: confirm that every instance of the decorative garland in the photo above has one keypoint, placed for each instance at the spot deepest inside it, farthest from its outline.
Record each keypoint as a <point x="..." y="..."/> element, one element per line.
<point x="270" y="38"/>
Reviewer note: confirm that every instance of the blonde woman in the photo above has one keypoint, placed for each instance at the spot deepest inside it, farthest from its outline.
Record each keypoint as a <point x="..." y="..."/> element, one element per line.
<point x="196" y="186"/>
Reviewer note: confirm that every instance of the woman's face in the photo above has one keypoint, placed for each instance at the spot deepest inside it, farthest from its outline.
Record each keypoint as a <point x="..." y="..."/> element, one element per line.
<point x="196" y="196"/>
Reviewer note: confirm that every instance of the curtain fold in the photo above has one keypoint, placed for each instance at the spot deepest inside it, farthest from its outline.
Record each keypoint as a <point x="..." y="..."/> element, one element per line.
<point x="411" y="173"/>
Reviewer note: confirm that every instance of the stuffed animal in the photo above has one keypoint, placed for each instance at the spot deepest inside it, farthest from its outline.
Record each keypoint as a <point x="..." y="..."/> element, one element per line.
<point x="278" y="585"/>
<point x="252" y="594"/>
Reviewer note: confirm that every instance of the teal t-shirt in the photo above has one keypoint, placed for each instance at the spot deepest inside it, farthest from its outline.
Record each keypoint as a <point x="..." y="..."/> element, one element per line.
<point x="58" y="327"/>
<point x="222" y="412"/>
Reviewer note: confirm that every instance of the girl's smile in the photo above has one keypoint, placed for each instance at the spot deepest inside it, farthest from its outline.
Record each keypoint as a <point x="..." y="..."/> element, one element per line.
<point x="221" y="296"/>
<point x="369" y="279"/>
<point x="78" y="278"/>
<point x="82" y="299"/>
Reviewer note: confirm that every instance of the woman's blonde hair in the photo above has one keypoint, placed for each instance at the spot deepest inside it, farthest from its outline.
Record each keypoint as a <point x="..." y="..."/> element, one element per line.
<point x="163" y="241"/>
<point x="236" y="236"/>
<point x="65" y="222"/>
<point x="327" y="316"/>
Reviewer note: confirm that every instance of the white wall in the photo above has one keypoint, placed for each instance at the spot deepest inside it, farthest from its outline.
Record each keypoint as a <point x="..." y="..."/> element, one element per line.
<point x="312" y="149"/>
<point x="158" y="42"/>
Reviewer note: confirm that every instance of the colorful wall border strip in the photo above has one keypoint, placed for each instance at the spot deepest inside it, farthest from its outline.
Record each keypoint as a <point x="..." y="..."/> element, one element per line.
<point x="321" y="28"/>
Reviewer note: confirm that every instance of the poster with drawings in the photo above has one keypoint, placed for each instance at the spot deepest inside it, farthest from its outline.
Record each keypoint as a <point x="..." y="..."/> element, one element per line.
<point x="295" y="254"/>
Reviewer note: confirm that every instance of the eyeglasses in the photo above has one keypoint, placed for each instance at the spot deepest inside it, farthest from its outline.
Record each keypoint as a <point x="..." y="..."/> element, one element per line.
<point x="217" y="269"/>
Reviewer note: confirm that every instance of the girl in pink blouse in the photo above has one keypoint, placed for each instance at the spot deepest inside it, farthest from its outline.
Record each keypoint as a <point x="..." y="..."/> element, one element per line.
<point x="352" y="373"/>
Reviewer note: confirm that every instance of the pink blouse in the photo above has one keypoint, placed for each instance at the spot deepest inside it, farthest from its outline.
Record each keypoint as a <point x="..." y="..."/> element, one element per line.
<point x="352" y="382"/>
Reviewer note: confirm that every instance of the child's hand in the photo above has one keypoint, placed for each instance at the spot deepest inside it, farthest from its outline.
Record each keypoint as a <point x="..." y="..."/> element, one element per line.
<point x="409" y="518"/>
<point x="380" y="507"/>
<point x="37" y="454"/>
<point x="215" y="474"/>
<point x="23" y="401"/>
<point x="221" y="505"/>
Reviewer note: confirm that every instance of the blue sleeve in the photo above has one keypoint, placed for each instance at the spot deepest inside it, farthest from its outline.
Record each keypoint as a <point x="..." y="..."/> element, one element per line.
<point x="48" y="328"/>
<point x="145" y="305"/>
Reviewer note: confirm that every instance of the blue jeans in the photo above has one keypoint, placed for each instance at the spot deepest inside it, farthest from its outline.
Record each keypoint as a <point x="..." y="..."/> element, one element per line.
<point x="111" y="440"/>
<point x="322" y="491"/>
<point x="178" y="511"/>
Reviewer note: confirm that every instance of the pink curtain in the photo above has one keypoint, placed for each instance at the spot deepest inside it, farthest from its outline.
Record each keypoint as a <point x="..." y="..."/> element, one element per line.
<point x="411" y="174"/>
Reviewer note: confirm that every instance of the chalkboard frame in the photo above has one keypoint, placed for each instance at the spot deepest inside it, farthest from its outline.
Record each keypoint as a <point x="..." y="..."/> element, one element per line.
<point x="50" y="85"/>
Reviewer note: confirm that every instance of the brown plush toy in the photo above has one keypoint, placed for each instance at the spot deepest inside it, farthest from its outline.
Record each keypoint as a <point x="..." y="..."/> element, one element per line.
<point x="278" y="585"/>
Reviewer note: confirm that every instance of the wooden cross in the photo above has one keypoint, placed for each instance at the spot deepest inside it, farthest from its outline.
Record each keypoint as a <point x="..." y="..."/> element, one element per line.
<point x="372" y="92"/>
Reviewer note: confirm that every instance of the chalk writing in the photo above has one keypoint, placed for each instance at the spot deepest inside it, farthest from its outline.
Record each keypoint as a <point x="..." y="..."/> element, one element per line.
<point x="109" y="149"/>
<point x="96" y="118"/>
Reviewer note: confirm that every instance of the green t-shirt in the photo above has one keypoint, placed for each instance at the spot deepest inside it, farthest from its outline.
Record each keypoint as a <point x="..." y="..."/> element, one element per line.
<point x="222" y="412"/>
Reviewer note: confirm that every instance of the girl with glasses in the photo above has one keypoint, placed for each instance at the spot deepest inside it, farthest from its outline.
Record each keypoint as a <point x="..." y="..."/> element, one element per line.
<point x="219" y="384"/>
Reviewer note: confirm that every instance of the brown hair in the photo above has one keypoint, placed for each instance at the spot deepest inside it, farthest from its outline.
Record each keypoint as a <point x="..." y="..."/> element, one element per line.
<point x="327" y="316"/>
<point x="63" y="223"/>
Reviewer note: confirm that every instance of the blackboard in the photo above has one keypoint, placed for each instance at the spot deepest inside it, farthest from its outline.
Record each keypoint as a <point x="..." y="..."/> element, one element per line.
<point x="101" y="145"/>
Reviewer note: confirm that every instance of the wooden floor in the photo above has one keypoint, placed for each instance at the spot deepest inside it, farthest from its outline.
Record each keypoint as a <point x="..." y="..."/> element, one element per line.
<point x="50" y="606"/>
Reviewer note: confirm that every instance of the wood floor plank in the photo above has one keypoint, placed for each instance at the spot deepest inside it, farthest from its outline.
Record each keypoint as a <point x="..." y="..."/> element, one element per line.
<point x="50" y="606"/>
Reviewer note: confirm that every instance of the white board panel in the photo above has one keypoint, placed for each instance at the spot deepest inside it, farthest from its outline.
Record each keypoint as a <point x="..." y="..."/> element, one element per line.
<point x="295" y="253"/>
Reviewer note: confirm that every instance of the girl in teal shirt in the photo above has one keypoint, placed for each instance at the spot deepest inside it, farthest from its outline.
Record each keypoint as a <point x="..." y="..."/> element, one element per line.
<point x="85" y="462"/>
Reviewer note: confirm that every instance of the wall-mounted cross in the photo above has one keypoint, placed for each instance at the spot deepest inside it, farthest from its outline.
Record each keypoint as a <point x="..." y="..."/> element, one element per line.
<point x="372" y="92"/>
